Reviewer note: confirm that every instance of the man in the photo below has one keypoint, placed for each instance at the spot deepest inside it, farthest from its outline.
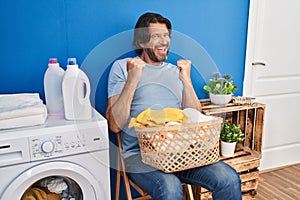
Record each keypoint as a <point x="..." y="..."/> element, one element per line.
<point x="136" y="84"/>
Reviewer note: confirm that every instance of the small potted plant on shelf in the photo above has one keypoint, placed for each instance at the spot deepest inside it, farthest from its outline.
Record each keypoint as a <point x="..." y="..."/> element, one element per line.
<point x="220" y="88"/>
<point x="230" y="135"/>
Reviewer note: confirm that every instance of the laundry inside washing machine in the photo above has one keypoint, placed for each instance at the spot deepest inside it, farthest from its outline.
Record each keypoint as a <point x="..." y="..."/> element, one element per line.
<point x="53" y="188"/>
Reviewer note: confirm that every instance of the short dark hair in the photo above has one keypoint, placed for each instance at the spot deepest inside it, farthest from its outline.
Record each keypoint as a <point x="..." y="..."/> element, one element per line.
<point x="141" y="33"/>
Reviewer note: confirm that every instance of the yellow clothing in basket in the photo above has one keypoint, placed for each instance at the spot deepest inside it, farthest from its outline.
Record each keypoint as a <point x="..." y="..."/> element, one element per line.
<point x="151" y="117"/>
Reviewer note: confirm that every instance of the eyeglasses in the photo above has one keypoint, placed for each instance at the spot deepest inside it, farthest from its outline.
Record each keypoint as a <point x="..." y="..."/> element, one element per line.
<point x="158" y="36"/>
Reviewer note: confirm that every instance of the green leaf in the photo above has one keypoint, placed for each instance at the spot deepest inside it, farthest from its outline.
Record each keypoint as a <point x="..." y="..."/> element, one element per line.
<point x="231" y="132"/>
<point x="220" y="85"/>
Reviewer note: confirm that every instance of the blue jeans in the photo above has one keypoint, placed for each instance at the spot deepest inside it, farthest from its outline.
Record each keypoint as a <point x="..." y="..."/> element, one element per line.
<point x="219" y="178"/>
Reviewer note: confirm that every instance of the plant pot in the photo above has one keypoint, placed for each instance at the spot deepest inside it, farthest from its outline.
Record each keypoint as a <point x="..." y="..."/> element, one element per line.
<point x="220" y="99"/>
<point x="227" y="148"/>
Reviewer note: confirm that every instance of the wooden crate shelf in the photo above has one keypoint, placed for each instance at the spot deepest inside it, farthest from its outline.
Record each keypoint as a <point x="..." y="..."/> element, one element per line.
<point x="246" y="159"/>
<point x="249" y="117"/>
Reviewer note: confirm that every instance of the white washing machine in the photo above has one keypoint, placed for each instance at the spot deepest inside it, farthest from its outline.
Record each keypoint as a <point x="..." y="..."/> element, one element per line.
<point x="75" y="153"/>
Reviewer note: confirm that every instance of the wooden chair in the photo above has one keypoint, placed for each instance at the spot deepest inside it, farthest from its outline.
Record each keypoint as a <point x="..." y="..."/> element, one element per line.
<point x="187" y="189"/>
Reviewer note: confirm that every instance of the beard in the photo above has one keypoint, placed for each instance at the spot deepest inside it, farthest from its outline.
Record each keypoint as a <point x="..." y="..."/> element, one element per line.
<point x="154" y="57"/>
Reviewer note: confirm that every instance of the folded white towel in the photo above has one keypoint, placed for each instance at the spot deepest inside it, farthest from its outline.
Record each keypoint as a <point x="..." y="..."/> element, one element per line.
<point x="20" y="105"/>
<point x="21" y="110"/>
<point x="31" y="120"/>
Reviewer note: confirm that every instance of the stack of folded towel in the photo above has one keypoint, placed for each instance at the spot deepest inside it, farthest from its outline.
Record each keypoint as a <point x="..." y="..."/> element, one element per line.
<point x="20" y="110"/>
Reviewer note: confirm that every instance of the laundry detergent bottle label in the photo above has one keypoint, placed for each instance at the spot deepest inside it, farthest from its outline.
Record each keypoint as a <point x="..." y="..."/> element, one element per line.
<point x="76" y="93"/>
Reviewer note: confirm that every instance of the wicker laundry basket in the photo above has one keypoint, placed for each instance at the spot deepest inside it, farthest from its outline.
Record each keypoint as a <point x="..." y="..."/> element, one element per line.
<point x="180" y="147"/>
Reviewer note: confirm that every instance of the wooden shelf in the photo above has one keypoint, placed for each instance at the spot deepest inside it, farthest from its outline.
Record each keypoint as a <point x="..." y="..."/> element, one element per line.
<point x="246" y="159"/>
<point x="249" y="117"/>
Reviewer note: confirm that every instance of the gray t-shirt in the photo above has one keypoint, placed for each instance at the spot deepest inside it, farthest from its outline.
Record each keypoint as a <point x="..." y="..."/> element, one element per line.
<point x="160" y="87"/>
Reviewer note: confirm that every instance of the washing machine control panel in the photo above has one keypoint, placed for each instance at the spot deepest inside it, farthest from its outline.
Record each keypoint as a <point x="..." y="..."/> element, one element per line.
<point x="46" y="146"/>
<point x="69" y="143"/>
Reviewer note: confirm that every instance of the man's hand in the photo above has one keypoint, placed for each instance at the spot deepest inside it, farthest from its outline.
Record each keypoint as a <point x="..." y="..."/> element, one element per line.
<point x="184" y="67"/>
<point x="118" y="108"/>
<point x="189" y="97"/>
<point x="135" y="67"/>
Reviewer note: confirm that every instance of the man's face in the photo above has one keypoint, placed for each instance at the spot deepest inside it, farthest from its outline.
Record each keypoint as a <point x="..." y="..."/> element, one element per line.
<point x="159" y="44"/>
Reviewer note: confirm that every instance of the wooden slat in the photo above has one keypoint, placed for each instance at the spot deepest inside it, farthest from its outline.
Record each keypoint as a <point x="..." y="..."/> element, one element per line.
<point x="247" y="166"/>
<point x="217" y="109"/>
<point x="244" y="160"/>
<point x="248" y="197"/>
<point x="259" y="130"/>
<point x="206" y="103"/>
<point x="248" y="190"/>
<point x="249" y="176"/>
<point x="208" y="196"/>
<point x="148" y="197"/>
<point x="249" y="185"/>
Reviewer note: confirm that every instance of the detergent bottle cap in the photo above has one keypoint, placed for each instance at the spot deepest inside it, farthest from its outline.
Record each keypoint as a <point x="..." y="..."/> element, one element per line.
<point x="72" y="61"/>
<point x="52" y="60"/>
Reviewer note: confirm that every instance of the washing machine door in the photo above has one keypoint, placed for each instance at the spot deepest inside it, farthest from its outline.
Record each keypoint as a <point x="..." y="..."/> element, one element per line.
<point x="90" y="187"/>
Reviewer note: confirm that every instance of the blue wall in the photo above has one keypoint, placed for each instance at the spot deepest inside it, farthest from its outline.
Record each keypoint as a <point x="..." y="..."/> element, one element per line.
<point x="33" y="31"/>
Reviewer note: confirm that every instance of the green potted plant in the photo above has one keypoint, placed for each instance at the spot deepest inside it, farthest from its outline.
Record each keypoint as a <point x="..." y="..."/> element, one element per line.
<point x="220" y="88"/>
<point x="230" y="135"/>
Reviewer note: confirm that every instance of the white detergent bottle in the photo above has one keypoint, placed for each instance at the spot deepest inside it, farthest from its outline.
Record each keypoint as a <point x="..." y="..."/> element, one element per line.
<point x="53" y="88"/>
<point x="76" y="93"/>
